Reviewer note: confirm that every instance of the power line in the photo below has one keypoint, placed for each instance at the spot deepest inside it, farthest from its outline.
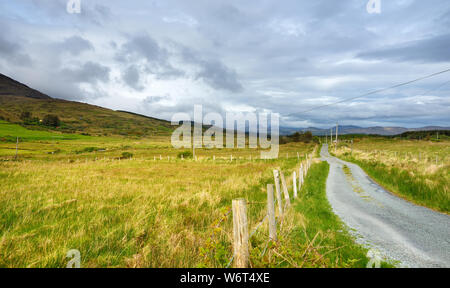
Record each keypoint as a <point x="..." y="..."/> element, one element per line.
<point x="437" y="87"/>
<point x="375" y="92"/>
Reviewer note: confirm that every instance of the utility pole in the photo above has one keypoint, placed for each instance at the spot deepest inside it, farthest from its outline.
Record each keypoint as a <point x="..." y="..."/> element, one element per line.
<point x="335" y="147"/>
<point x="331" y="136"/>
<point x="352" y="149"/>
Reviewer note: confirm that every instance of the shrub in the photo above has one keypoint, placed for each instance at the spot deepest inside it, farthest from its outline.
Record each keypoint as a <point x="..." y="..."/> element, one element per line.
<point x="51" y="121"/>
<point x="185" y="154"/>
<point x="25" y="115"/>
<point x="126" y="155"/>
<point x="88" y="150"/>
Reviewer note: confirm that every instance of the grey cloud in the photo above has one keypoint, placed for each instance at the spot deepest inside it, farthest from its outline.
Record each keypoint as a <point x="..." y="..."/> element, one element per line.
<point x="75" y="45"/>
<point x="89" y="72"/>
<point x="13" y="52"/>
<point x="218" y="76"/>
<point x="327" y="9"/>
<point x="145" y="48"/>
<point x="212" y="71"/>
<point x="131" y="77"/>
<point x="400" y="110"/>
<point x="287" y="56"/>
<point x="434" y="49"/>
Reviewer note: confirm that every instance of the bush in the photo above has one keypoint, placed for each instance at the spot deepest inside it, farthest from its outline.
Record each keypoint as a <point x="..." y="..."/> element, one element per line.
<point x="306" y="137"/>
<point x="185" y="154"/>
<point x="126" y="155"/>
<point x="25" y="115"/>
<point x="51" y="121"/>
<point x="88" y="150"/>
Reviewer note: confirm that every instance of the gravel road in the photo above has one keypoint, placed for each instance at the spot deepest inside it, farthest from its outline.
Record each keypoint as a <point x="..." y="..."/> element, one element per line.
<point x="399" y="230"/>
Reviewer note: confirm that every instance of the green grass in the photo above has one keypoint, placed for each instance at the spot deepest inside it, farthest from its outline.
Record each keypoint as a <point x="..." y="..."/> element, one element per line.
<point x="143" y="212"/>
<point x="324" y="226"/>
<point x="400" y="182"/>
<point x="407" y="168"/>
<point x="136" y="212"/>
<point x="9" y="132"/>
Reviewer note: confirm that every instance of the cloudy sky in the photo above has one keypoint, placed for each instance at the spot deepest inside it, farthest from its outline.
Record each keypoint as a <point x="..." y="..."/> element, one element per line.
<point x="162" y="57"/>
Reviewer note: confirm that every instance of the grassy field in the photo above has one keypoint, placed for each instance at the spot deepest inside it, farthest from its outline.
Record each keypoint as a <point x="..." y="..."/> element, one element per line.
<point x="415" y="170"/>
<point x="151" y="210"/>
<point x="9" y="132"/>
<point x="139" y="212"/>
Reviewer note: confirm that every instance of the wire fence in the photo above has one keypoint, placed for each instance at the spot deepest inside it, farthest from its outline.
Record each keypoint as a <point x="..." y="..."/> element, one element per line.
<point x="241" y="235"/>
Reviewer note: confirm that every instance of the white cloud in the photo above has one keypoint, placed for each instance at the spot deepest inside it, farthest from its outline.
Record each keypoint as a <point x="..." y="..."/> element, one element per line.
<point x="162" y="57"/>
<point x="287" y="27"/>
<point x="181" y="18"/>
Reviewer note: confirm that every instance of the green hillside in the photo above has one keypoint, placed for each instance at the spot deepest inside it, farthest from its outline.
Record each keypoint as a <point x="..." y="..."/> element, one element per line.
<point x="81" y="118"/>
<point x="17" y="99"/>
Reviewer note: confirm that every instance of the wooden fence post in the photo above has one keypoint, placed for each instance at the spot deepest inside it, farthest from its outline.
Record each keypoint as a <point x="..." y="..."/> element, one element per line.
<point x="271" y="213"/>
<point x="17" y="148"/>
<point x="301" y="175"/>
<point x="240" y="234"/>
<point x="294" y="183"/>
<point x="285" y="189"/>
<point x="277" y="188"/>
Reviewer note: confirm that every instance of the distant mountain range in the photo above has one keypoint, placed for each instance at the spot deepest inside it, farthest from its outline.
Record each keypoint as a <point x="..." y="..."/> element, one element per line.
<point x="350" y="129"/>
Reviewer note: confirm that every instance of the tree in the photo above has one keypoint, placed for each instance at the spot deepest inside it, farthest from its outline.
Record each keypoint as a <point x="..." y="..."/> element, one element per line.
<point x="51" y="120"/>
<point x="307" y="137"/>
<point x="25" y="115"/>
<point x="296" y="137"/>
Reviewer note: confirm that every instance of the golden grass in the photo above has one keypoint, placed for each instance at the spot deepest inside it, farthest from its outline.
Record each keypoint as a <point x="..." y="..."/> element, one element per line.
<point x="420" y="168"/>
<point x="127" y="213"/>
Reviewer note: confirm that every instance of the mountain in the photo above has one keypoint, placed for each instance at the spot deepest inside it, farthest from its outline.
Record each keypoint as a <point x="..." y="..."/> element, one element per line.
<point x="76" y="117"/>
<point x="11" y="87"/>
<point x="350" y="129"/>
